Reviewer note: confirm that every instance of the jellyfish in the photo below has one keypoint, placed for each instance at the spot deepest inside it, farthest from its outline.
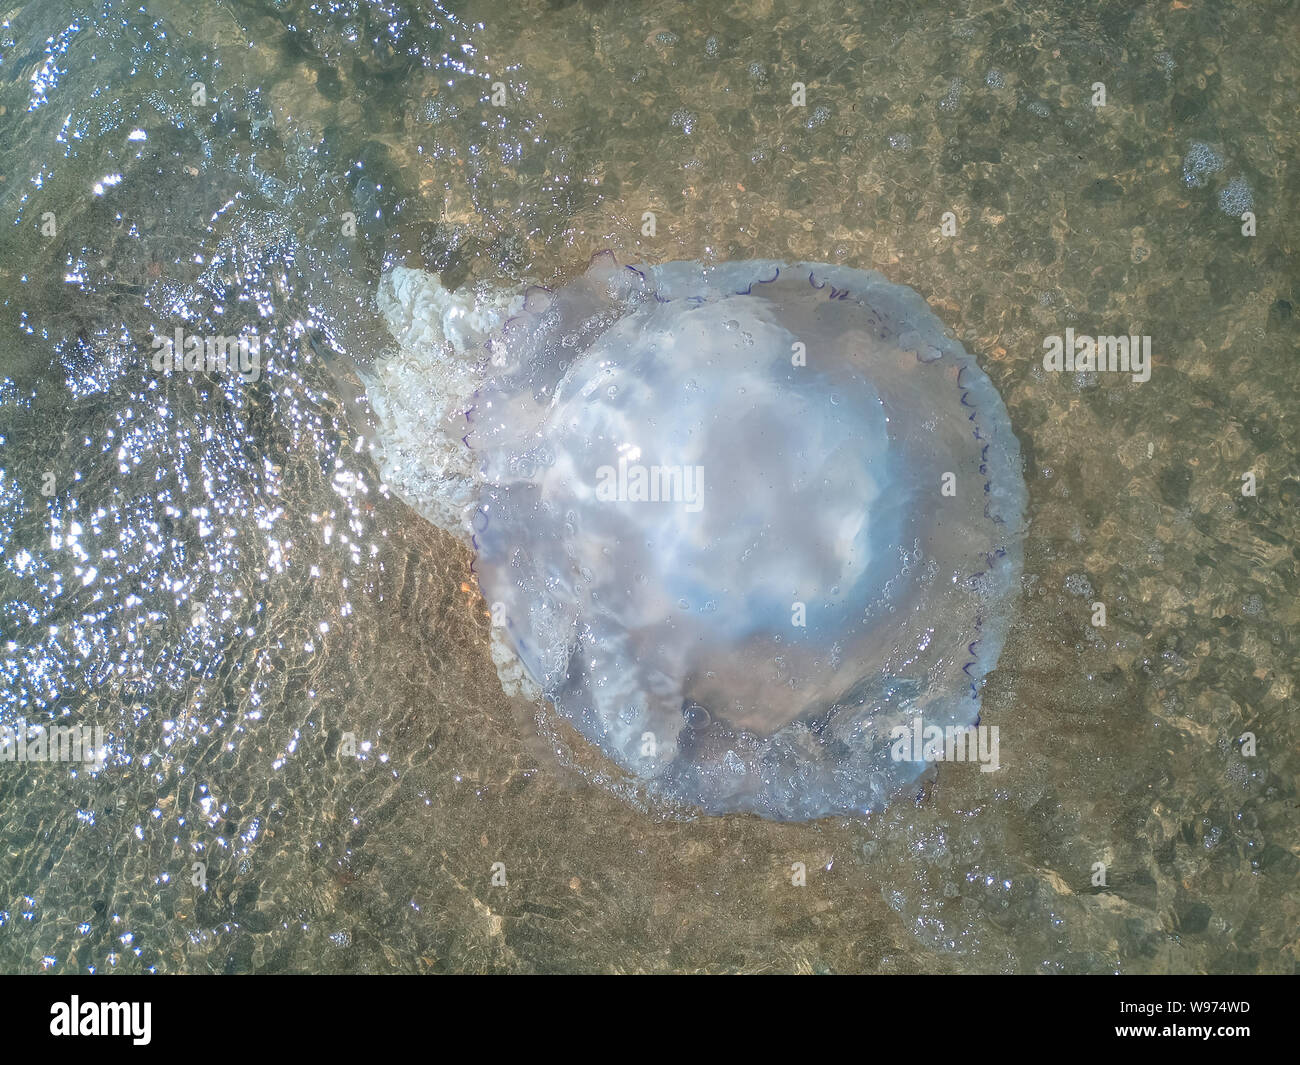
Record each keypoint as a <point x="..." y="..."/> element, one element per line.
<point x="737" y="523"/>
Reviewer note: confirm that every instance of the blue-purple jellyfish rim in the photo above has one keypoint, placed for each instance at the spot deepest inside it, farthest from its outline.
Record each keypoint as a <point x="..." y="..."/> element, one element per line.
<point x="741" y="522"/>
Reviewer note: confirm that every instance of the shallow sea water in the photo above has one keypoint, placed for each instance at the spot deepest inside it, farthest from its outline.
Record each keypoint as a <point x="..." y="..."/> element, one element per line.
<point x="211" y="570"/>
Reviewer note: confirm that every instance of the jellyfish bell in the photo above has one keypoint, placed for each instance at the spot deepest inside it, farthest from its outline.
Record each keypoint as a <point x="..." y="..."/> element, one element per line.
<point x="737" y="523"/>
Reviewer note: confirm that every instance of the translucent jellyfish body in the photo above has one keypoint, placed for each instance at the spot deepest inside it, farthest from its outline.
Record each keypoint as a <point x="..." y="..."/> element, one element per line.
<point x="736" y="523"/>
